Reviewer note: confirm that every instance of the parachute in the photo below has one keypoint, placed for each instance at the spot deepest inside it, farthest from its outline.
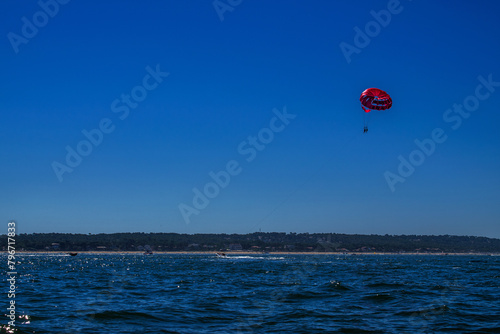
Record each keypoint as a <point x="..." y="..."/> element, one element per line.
<point x="374" y="99"/>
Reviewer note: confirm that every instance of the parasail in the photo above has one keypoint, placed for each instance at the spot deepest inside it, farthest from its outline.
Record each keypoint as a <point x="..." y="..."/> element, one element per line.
<point x="374" y="99"/>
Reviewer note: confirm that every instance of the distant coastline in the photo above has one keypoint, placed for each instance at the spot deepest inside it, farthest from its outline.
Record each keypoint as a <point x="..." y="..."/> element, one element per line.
<point x="253" y="243"/>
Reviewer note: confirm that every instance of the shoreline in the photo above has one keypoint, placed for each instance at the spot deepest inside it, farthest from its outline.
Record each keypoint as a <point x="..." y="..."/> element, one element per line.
<point x="233" y="253"/>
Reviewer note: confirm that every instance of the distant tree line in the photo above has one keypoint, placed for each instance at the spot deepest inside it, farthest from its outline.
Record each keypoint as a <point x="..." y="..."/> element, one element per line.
<point x="259" y="242"/>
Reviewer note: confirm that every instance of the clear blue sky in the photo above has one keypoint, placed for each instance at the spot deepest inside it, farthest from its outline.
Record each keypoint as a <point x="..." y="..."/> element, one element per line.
<point x="316" y="172"/>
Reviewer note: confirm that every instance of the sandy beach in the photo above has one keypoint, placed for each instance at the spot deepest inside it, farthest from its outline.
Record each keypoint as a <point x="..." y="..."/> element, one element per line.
<point x="235" y="253"/>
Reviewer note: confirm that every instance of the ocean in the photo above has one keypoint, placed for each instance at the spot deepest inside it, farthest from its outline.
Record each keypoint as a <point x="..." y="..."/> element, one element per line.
<point x="171" y="293"/>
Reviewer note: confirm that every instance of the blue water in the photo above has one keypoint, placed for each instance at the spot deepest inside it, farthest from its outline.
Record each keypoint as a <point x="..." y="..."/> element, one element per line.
<point x="256" y="294"/>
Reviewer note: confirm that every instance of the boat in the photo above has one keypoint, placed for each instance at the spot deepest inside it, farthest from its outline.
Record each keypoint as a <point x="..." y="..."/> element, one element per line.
<point x="73" y="254"/>
<point x="148" y="250"/>
<point x="221" y="255"/>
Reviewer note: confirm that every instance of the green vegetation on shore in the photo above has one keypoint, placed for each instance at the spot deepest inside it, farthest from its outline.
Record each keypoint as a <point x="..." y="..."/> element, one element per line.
<point x="259" y="242"/>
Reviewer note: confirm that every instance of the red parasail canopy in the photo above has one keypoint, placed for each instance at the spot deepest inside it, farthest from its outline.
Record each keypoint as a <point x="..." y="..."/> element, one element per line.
<point x="375" y="99"/>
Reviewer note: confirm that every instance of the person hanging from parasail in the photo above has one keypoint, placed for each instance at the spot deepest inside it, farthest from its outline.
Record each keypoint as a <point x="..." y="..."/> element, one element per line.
<point x="374" y="99"/>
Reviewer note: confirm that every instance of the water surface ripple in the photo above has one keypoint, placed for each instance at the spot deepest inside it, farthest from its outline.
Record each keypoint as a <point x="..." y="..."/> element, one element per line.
<point x="166" y="293"/>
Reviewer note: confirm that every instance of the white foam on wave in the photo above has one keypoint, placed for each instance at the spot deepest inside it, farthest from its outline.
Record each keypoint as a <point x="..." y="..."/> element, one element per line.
<point x="253" y="257"/>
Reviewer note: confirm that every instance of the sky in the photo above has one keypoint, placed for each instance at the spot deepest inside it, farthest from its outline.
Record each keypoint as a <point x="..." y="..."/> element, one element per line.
<point x="233" y="116"/>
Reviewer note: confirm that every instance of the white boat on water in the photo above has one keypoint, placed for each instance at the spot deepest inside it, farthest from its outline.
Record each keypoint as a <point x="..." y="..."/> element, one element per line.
<point x="221" y="255"/>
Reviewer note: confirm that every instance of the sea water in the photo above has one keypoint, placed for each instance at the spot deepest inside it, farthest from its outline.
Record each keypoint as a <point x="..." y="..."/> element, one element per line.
<point x="165" y="293"/>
